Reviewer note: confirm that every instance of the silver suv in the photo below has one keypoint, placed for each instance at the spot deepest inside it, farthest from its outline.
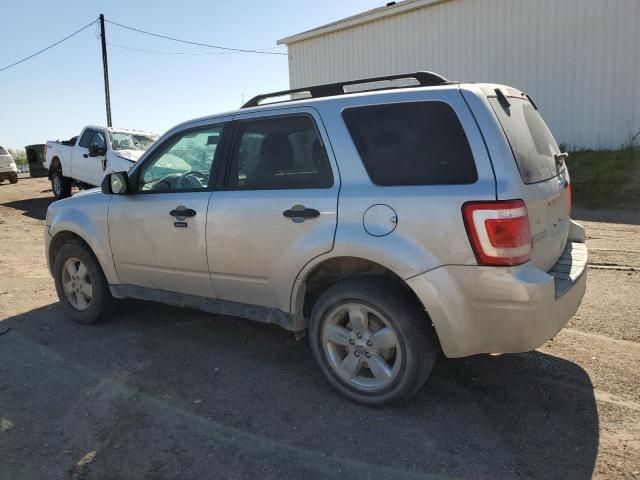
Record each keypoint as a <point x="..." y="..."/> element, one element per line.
<point x="388" y="224"/>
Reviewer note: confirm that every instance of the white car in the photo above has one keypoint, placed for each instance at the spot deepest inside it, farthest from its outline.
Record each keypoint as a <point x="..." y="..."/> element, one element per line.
<point x="97" y="151"/>
<point x="8" y="168"/>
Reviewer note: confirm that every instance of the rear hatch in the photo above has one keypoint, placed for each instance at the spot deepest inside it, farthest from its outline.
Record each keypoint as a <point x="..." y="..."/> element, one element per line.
<point x="545" y="179"/>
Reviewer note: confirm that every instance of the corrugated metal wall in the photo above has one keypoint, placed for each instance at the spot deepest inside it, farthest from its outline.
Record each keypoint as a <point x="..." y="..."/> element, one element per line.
<point x="578" y="59"/>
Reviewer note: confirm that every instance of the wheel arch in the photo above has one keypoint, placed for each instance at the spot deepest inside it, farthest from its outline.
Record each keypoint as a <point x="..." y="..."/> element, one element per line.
<point x="316" y="278"/>
<point x="55" y="161"/>
<point x="103" y="256"/>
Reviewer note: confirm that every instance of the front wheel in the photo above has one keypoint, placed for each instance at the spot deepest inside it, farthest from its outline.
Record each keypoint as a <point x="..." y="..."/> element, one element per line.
<point x="372" y="341"/>
<point x="60" y="185"/>
<point x="80" y="284"/>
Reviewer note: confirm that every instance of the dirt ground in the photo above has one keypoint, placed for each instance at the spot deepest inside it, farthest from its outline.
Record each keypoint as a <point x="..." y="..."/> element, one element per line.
<point x="161" y="392"/>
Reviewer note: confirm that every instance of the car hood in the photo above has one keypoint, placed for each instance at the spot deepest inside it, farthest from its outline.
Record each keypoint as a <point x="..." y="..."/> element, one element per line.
<point x="131" y="155"/>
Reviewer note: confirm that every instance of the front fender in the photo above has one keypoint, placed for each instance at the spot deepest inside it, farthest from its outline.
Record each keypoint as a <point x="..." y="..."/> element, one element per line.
<point x="86" y="217"/>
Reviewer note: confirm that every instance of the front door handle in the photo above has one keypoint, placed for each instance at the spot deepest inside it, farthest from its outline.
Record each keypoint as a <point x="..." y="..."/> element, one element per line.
<point x="300" y="211"/>
<point x="184" y="212"/>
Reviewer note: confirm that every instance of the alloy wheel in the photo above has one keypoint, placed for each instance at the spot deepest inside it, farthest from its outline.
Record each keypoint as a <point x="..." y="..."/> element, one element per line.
<point x="361" y="346"/>
<point x="77" y="284"/>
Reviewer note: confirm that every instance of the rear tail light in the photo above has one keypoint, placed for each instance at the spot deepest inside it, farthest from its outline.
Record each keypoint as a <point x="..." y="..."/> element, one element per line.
<point x="45" y="152"/>
<point x="498" y="231"/>
<point x="570" y="198"/>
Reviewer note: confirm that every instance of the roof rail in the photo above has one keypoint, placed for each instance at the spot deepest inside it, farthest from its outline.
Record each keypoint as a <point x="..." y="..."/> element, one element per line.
<point x="425" y="79"/>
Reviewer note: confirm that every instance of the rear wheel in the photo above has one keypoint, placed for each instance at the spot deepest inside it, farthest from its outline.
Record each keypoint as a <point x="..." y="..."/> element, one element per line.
<point x="60" y="185"/>
<point x="13" y="178"/>
<point x="372" y="341"/>
<point x="81" y="285"/>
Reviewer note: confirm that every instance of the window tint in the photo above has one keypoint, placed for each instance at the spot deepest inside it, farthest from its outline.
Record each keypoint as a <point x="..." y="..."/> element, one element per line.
<point x="283" y="152"/>
<point x="85" y="140"/>
<point x="419" y="143"/>
<point x="533" y="145"/>
<point x="183" y="163"/>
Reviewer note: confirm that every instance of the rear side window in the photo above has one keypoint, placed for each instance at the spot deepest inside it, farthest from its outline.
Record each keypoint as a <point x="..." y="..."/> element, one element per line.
<point x="419" y="143"/>
<point x="281" y="152"/>
<point x="85" y="140"/>
<point x="532" y="143"/>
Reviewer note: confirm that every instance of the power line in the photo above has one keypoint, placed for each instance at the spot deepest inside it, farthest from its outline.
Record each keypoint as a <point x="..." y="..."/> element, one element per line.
<point x="49" y="47"/>
<point x="163" y="52"/>
<point x="166" y="53"/>
<point x="239" y="50"/>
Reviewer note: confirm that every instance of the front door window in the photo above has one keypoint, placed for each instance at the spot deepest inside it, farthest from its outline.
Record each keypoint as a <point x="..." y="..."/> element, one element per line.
<point x="184" y="163"/>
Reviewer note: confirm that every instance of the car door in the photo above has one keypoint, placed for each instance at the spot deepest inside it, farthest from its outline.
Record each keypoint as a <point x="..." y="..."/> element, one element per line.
<point x="157" y="232"/>
<point x="80" y="155"/>
<point x="275" y="209"/>
<point x="95" y="165"/>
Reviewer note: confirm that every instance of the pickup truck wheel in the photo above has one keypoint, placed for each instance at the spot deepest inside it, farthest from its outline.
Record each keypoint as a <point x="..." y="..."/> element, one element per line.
<point x="81" y="285"/>
<point x="60" y="185"/>
<point x="372" y="341"/>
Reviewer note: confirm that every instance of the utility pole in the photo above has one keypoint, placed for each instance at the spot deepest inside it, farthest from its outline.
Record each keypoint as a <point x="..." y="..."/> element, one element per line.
<point x="105" y="68"/>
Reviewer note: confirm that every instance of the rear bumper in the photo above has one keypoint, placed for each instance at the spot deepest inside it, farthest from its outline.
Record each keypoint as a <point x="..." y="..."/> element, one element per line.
<point x="478" y="309"/>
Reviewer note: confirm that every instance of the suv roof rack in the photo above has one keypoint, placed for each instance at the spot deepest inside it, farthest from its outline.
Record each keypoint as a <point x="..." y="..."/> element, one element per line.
<point x="425" y="79"/>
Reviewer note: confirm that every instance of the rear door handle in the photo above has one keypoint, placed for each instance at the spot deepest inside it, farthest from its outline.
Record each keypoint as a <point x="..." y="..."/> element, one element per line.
<point x="300" y="211"/>
<point x="185" y="212"/>
<point x="85" y="155"/>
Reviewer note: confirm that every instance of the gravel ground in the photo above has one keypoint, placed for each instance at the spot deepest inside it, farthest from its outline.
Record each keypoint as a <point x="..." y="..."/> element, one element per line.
<point x="161" y="392"/>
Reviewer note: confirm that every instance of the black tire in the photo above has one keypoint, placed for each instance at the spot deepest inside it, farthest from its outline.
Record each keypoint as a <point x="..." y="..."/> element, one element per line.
<point x="60" y="185"/>
<point x="101" y="303"/>
<point x="409" y="321"/>
<point x="13" y="178"/>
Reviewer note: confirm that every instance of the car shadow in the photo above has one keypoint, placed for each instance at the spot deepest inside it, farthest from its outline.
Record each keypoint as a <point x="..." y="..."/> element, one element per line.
<point x="625" y="216"/>
<point x="32" y="207"/>
<point x="163" y="392"/>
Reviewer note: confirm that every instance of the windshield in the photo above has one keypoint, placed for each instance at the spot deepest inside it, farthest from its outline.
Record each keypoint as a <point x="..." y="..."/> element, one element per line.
<point x="131" y="141"/>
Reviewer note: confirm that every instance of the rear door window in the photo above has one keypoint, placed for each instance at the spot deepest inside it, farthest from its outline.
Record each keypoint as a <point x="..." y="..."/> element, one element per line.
<point x="419" y="143"/>
<point x="279" y="153"/>
<point x="532" y="143"/>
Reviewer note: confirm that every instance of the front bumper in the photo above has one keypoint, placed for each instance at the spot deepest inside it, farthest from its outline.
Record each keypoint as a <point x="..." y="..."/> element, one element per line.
<point x="8" y="172"/>
<point x="478" y="309"/>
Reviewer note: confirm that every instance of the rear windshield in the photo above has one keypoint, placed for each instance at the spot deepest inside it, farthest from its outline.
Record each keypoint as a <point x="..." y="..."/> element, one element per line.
<point x="531" y="141"/>
<point x="419" y="143"/>
<point x="3" y="151"/>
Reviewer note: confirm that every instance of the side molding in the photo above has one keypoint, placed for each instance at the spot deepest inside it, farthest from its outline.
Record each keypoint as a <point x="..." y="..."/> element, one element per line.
<point x="211" y="305"/>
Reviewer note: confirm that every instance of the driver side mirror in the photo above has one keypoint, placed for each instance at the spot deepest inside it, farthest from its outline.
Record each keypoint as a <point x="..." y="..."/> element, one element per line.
<point x="96" y="151"/>
<point x="116" y="183"/>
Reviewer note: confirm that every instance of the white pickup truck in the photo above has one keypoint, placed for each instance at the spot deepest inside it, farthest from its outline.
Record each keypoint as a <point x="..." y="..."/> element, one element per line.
<point x="85" y="160"/>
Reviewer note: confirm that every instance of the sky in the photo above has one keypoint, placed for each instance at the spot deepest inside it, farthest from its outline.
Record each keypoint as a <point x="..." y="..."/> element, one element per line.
<point x="54" y="95"/>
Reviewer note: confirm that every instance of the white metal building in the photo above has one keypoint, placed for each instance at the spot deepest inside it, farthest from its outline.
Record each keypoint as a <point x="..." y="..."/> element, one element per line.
<point x="578" y="59"/>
